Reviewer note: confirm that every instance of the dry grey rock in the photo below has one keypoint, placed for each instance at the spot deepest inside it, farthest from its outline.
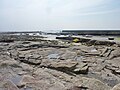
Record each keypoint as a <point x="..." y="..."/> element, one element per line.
<point x="26" y="67"/>
<point x="81" y="68"/>
<point x="11" y="63"/>
<point x="67" y="66"/>
<point x="115" y="53"/>
<point x="32" y="60"/>
<point x="94" y="84"/>
<point x="68" y="55"/>
<point x="116" y="87"/>
<point x="64" y="66"/>
<point x="8" y="85"/>
<point x="69" y="69"/>
<point x="107" y="52"/>
<point x="39" y="84"/>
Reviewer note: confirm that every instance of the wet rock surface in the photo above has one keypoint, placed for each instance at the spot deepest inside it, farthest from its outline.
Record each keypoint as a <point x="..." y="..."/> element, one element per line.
<point x="36" y="64"/>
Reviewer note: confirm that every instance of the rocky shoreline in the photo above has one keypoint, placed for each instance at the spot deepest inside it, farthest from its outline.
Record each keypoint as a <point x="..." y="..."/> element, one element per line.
<point x="32" y="63"/>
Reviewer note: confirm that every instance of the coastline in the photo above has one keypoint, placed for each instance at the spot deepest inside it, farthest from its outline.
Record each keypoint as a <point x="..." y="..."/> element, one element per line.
<point x="36" y="62"/>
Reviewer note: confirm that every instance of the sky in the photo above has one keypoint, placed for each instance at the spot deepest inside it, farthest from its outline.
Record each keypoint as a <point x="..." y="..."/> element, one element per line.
<point x="23" y="15"/>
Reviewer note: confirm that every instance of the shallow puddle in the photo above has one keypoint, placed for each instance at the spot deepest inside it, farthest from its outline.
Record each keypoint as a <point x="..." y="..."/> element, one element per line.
<point x="93" y="50"/>
<point x="79" y="58"/>
<point x="53" y="56"/>
<point x="16" y="79"/>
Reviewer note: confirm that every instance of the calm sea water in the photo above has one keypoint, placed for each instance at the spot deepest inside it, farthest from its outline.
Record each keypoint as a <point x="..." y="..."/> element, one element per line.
<point x="53" y="37"/>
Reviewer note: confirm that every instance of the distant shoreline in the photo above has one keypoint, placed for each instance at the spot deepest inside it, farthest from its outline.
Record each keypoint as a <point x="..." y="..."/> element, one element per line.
<point x="67" y="32"/>
<point x="92" y="32"/>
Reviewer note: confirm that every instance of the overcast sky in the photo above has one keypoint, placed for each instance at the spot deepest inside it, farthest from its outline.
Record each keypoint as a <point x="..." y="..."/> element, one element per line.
<point x="59" y="14"/>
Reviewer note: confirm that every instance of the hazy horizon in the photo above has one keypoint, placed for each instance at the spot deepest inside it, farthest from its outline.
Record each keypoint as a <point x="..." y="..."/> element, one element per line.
<point x="48" y="15"/>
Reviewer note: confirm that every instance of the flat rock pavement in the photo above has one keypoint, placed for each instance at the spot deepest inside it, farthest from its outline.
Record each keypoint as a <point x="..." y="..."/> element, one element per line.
<point x="55" y="65"/>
